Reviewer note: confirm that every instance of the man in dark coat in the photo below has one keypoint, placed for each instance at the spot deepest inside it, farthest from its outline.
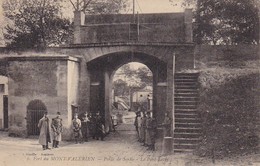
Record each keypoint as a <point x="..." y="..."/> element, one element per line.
<point x="167" y="125"/>
<point x="143" y="128"/>
<point x="100" y="129"/>
<point x="44" y="126"/>
<point x="57" y="129"/>
<point x="85" y="126"/>
<point x="151" y="129"/>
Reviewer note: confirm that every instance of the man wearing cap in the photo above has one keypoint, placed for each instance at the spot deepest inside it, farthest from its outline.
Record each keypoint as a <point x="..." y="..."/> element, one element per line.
<point x="57" y="129"/>
<point x="76" y="124"/>
<point x="85" y="126"/>
<point x="44" y="126"/>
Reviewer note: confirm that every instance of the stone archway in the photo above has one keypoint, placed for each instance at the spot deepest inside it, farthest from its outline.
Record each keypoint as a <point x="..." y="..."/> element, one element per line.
<point x="101" y="71"/>
<point x="35" y="111"/>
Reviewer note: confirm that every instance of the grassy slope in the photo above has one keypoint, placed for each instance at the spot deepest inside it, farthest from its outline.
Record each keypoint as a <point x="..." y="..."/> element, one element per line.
<point x="229" y="107"/>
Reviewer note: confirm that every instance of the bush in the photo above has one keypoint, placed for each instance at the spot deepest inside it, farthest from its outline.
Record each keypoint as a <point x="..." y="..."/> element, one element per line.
<point x="17" y="131"/>
<point x="229" y="110"/>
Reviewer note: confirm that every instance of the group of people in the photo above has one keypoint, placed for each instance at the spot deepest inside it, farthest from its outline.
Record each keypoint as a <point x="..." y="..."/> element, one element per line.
<point x="88" y="124"/>
<point x="51" y="130"/>
<point x="146" y="127"/>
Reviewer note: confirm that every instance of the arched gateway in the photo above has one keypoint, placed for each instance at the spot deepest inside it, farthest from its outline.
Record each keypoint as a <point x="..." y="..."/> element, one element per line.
<point x="81" y="74"/>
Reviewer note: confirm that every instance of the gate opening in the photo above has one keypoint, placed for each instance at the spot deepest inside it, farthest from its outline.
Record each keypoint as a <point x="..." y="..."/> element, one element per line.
<point x="132" y="92"/>
<point x="35" y="111"/>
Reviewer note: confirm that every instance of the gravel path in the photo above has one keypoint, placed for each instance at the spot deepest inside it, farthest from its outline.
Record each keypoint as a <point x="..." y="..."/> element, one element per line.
<point x="119" y="148"/>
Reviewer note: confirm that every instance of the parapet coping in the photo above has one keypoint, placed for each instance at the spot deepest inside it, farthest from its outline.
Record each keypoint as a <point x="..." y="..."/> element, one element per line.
<point x="169" y="44"/>
<point x="43" y="58"/>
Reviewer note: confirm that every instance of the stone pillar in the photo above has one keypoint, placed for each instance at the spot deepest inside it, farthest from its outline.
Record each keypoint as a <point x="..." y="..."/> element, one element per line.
<point x="108" y="100"/>
<point x="168" y="141"/>
<point x="188" y="25"/>
<point x="79" y="20"/>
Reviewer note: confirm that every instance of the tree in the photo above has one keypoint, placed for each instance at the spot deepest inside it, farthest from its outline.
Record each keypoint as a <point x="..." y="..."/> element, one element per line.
<point x="145" y="76"/>
<point x="36" y="23"/>
<point x="225" y="21"/>
<point x="99" y="6"/>
<point x="134" y="80"/>
<point x="120" y="87"/>
<point x="39" y="23"/>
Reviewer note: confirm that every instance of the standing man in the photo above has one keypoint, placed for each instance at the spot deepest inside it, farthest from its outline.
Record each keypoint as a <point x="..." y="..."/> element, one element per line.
<point x="137" y="124"/>
<point x="57" y="129"/>
<point x="85" y="125"/>
<point x="148" y="125"/>
<point x="143" y="123"/>
<point x="44" y="126"/>
<point x="167" y="125"/>
<point x="152" y="127"/>
<point x="100" y="128"/>
<point x="76" y="124"/>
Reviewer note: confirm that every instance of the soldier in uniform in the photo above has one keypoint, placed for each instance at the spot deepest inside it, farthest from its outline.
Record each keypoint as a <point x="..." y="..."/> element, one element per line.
<point x="85" y="125"/>
<point x="99" y="127"/>
<point x="151" y="129"/>
<point x="57" y="129"/>
<point x="143" y="126"/>
<point x="137" y="124"/>
<point x="148" y="123"/>
<point x="76" y="124"/>
<point x="44" y="126"/>
<point x="167" y="125"/>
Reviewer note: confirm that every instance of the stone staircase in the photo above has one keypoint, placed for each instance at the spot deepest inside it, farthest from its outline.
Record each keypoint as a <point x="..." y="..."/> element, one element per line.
<point x="187" y="131"/>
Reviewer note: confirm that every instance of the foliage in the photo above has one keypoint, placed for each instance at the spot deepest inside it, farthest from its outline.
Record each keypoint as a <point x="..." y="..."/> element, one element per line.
<point x="17" y="131"/>
<point x="36" y="24"/>
<point x="99" y="6"/>
<point x="225" y="21"/>
<point x="134" y="80"/>
<point x="229" y="112"/>
<point x="120" y="88"/>
<point x="39" y="23"/>
<point x="145" y="75"/>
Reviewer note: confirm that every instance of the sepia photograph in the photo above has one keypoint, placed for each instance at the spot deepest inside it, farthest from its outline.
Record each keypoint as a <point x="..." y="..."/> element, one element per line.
<point x="129" y="82"/>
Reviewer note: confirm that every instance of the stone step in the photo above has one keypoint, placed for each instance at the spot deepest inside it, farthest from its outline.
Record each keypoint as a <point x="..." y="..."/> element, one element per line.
<point x="183" y="150"/>
<point x="185" y="146"/>
<point x="187" y="135"/>
<point x="181" y="94"/>
<point x="187" y="125"/>
<point x="187" y="87"/>
<point x="181" y="98"/>
<point x="186" y="91"/>
<point x="186" y="115"/>
<point x="186" y="103"/>
<point x="194" y="81"/>
<point x="187" y="74"/>
<point x="180" y="84"/>
<point x="188" y="120"/>
<point x="187" y="83"/>
<point x="187" y="140"/>
<point x="187" y="130"/>
<point x="185" y="106"/>
<point x="186" y="111"/>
